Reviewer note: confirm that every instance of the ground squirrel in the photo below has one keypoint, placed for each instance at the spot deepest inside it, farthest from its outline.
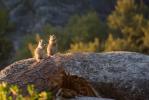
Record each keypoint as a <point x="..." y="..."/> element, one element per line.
<point x="39" y="51"/>
<point x="52" y="46"/>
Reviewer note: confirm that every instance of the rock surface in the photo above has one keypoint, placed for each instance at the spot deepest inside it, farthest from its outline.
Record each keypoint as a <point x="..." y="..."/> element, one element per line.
<point x="90" y="98"/>
<point x="119" y="75"/>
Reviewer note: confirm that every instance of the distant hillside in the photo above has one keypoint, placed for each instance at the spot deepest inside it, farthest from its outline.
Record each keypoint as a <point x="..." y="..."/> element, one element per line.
<point x="32" y="15"/>
<point x="103" y="7"/>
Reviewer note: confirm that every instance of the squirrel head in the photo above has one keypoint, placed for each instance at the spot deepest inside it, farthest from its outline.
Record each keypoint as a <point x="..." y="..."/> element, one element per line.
<point x="52" y="38"/>
<point x="41" y="44"/>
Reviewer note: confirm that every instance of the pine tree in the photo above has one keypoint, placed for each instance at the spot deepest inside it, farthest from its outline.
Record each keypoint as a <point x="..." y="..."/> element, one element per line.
<point x="127" y="22"/>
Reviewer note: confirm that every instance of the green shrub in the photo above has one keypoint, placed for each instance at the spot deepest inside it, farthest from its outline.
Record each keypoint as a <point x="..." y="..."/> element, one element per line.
<point x="3" y="20"/>
<point x="12" y="92"/>
<point x="128" y="25"/>
<point x="5" y="44"/>
<point x="86" y="27"/>
<point x="112" y="44"/>
<point x="85" y="47"/>
<point x="5" y="48"/>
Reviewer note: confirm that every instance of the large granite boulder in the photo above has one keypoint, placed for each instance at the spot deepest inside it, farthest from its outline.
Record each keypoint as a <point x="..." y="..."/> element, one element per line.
<point x="119" y="75"/>
<point x="123" y="75"/>
<point x="89" y="98"/>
